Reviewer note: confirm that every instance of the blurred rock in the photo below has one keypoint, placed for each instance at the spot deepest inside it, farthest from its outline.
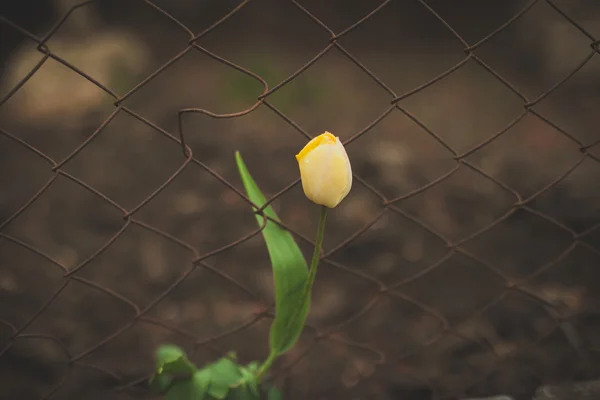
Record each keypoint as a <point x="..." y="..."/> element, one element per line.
<point x="56" y="95"/>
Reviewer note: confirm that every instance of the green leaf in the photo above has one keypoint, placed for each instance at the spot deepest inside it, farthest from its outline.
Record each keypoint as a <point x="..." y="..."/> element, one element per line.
<point x="226" y="370"/>
<point x="243" y="393"/>
<point x="167" y="354"/>
<point x="253" y="366"/>
<point x="181" y="390"/>
<point x="218" y="390"/>
<point x="290" y="272"/>
<point x="250" y="380"/>
<point x="160" y="383"/>
<point x="201" y="381"/>
<point x="274" y="394"/>
<point x="224" y="374"/>
<point x="171" y="359"/>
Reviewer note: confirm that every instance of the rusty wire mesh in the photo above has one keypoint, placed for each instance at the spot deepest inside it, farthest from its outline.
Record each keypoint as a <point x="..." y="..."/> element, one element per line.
<point x="457" y="281"/>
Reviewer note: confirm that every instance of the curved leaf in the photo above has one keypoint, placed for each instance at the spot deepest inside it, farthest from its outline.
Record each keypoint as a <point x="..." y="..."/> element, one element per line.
<point x="274" y="394"/>
<point x="181" y="390"/>
<point x="224" y="374"/>
<point x="171" y="359"/>
<point x="290" y="271"/>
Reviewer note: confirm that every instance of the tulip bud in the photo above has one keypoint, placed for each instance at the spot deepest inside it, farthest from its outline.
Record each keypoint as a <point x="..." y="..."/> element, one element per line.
<point x="325" y="170"/>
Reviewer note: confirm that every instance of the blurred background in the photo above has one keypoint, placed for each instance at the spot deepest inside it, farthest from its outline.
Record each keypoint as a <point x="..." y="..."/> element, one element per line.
<point x="463" y="263"/>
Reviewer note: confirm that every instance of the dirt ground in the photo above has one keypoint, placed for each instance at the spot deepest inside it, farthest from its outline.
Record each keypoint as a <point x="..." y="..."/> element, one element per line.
<point x="475" y="271"/>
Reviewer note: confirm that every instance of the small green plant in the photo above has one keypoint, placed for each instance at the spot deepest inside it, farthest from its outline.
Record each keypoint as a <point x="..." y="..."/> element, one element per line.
<point x="326" y="180"/>
<point x="180" y="379"/>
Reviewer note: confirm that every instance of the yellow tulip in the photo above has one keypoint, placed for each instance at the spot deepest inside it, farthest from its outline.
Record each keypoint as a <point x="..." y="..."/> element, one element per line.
<point x="325" y="170"/>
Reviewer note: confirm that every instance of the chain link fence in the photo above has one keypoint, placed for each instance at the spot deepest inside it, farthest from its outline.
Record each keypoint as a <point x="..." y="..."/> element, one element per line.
<point x="463" y="263"/>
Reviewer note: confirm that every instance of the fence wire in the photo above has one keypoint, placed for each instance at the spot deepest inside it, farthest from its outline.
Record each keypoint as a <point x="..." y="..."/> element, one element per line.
<point x="391" y="340"/>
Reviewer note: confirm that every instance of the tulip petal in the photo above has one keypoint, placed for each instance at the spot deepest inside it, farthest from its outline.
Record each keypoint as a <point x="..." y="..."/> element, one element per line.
<point x="325" y="170"/>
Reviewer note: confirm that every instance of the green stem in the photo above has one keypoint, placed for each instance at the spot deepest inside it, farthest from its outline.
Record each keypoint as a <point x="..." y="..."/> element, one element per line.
<point x="266" y="365"/>
<point x="312" y="273"/>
